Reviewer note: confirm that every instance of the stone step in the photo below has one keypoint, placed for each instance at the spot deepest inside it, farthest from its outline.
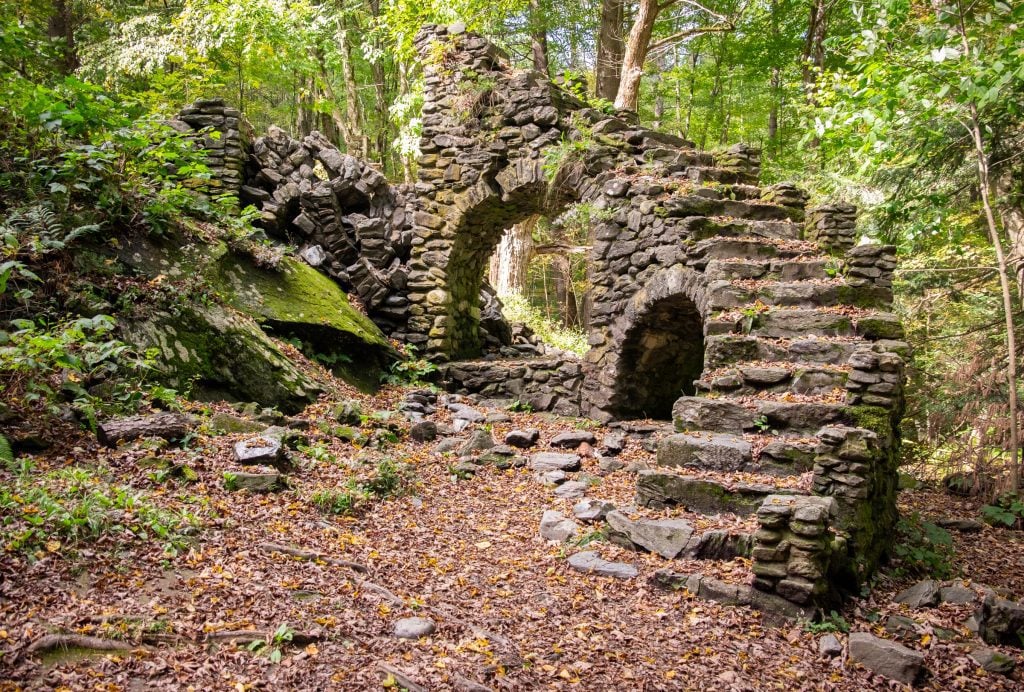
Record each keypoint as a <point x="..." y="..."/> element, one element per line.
<point x="700" y="253"/>
<point x="801" y="294"/>
<point x="749" y="378"/>
<point x="659" y="489"/>
<point x="799" y="269"/>
<point x="683" y="205"/>
<point x="710" y="174"/>
<point x="708" y="451"/>
<point x="796" y="323"/>
<point x="722" y="350"/>
<point x="700" y="414"/>
<point x="702" y="227"/>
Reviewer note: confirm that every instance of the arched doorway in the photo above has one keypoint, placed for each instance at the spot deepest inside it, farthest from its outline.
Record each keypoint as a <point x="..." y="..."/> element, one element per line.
<point x="662" y="353"/>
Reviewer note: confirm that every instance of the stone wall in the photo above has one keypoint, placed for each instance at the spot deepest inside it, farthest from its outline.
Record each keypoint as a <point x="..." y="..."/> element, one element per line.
<point x="546" y="384"/>
<point x="794" y="548"/>
<point x="222" y="132"/>
<point x="833" y="227"/>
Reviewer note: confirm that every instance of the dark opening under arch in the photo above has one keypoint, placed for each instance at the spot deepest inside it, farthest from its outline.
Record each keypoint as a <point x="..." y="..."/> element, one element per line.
<point x="662" y="354"/>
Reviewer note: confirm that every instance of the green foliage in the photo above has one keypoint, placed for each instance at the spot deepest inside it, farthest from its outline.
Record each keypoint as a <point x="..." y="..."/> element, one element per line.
<point x="923" y="549"/>
<point x="1008" y="511"/>
<point x="410" y="370"/>
<point x="833" y="622"/>
<point x="6" y="453"/>
<point x="519" y="406"/>
<point x="569" y="151"/>
<point x="74" y="505"/>
<point x="595" y="536"/>
<point x="274" y="645"/>
<point x="517" y="308"/>
<point x="389" y="479"/>
<point x="76" y="361"/>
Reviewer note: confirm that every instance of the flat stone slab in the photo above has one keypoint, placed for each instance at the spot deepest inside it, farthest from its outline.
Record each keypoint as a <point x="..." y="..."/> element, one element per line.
<point x="923" y="594"/>
<point x="716" y="452"/>
<point x="661" y="489"/>
<point x="414" y="628"/>
<point x="666" y="537"/>
<point x="697" y="413"/>
<point x="589" y="509"/>
<point x="553" y="461"/>
<point x="466" y="413"/>
<point x="590" y="562"/>
<point x="571" y="490"/>
<point x="554" y="526"/>
<point x="259" y="450"/>
<point x="886" y="658"/>
<point x="253" y="482"/>
<point x="573" y="439"/>
<point x="523" y="439"/>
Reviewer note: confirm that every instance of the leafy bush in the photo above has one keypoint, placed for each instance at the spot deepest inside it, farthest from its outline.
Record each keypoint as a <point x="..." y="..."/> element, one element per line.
<point x="923" y="549"/>
<point x="73" y="361"/>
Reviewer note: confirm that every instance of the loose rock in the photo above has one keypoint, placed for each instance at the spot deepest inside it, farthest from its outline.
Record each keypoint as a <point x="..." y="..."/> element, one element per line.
<point x="590" y="562"/>
<point x="414" y="628"/>
<point x="886" y="658"/>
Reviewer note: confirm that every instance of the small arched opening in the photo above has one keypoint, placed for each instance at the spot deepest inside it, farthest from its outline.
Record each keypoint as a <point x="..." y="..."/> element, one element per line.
<point x="661" y="356"/>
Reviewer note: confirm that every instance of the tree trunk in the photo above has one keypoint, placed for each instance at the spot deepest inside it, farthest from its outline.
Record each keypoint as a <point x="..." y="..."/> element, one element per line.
<point x="610" y="49"/>
<point x="1010" y="203"/>
<point x="565" y="292"/>
<point x="61" y="26"/>
<point x="637" y="46"/>
<point x="511" y="259"/>
<point x="356" y="140"/>
<point x="538" y="39"/>
<point x="383" y="134"/>
<point x="981" y="158"/>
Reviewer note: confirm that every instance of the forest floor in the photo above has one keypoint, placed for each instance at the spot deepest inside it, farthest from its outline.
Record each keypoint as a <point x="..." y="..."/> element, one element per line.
<point x="510" y="612"/>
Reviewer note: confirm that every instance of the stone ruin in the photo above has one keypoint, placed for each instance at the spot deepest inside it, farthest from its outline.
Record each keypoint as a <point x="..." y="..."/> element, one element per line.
<point x="728" y="307"/>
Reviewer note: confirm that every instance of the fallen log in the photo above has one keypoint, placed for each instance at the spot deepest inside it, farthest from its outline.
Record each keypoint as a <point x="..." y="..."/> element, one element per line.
<point x="169" y="426"/>
<point x="55" y="642"/>
<point x="312" y="556"/>
<point x="403" y="680"/>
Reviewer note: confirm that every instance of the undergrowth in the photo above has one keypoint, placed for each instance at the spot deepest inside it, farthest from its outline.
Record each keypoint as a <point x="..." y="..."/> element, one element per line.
<point x="389" y="479"/>
<point x="49" y="512"/>
<point x="517" y="308"/>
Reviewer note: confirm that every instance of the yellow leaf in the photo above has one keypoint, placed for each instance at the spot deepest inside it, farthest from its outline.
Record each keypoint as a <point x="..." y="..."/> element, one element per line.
<point x="53" y="546"/>
<point x="669" y="674"/>
<point x="925" y="639"/>
<point x="312" y="650"/>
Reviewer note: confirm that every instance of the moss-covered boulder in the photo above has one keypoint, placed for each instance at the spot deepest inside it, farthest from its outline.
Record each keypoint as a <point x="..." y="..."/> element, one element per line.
<point x="213" y="352"/>
<point x="218" y="347"/>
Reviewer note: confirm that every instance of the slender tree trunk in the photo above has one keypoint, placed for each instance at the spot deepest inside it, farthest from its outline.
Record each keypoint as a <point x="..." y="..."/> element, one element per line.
<point x="347" y="127"/>
<point x="694" y="60"/>
<point x="565" y="293"/>
<point x="356" y="141"/>
<point x="981" y="158"/>
<point x="538" y="39"/>
<point x="511" y="259"/>
<point x="610" y="49"/>
<point x="383" y="134"/>
<point x="1010" y="203"/>
<point x="637" y="46"/>
<point x="404" y="89"/>
<point x="61" y="26"/>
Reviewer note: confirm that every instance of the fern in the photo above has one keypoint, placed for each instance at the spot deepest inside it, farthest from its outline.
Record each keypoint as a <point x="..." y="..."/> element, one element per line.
<point x="6" y="453"/>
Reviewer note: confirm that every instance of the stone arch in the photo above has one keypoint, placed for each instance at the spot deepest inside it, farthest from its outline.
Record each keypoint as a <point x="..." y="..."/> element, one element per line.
<point x="660" y="347"/>
<point x="518" y="192"/>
